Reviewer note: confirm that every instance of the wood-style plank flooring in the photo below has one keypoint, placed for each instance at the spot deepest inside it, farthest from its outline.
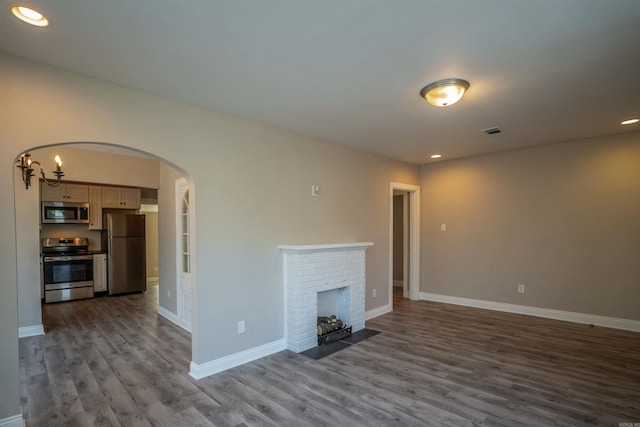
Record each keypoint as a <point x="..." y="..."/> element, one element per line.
<point x="114" y="362"/>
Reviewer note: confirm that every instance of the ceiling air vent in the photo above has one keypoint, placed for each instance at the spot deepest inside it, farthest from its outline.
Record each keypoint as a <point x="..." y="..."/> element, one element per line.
<point x="492" y="131"/>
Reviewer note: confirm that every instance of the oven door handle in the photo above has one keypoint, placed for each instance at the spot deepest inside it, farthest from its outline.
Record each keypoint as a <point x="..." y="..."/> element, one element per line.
<point x="68" y="258"/>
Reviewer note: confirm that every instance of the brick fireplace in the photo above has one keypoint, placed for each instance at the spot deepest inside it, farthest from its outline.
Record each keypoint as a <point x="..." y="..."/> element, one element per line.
<point x="311" y="269"/>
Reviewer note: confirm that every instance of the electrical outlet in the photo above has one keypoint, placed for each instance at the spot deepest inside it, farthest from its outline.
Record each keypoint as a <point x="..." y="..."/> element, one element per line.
<point x="168" y="293"/>
<point x="373" y="292"/>
<point x="241" y="327"/>
<point x="521" y="288"/>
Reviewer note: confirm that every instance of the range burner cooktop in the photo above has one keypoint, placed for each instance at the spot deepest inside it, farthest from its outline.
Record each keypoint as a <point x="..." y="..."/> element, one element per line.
<point x="65" y="246"/>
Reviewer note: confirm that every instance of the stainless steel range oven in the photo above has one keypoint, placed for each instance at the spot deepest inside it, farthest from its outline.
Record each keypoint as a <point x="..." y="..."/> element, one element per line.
<point x="67" y="269"/>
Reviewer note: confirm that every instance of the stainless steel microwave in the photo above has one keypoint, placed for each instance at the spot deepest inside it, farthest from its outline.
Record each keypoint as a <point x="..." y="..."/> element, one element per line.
<point x="65" y="213"/>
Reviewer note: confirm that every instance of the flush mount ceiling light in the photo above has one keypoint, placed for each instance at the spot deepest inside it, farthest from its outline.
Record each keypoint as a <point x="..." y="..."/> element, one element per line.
<point x="436" y="156"/>
<point x="630" y="122"/>
<point x="30" y="16"/>
<point x="444" y="92"/>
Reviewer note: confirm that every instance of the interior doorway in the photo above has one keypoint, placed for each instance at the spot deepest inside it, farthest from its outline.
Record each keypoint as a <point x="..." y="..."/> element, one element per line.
<point x="400" y="243"/>
<point x="404" y="225"/>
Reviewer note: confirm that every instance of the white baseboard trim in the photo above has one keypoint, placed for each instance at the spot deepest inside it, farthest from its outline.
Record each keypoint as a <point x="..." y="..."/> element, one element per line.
<point x="368" y="315"/>
<point x="569" y="316"/>
<point x="173" y="318"/>
<point x="199" y="371"/>
<point x="30" y="331"/>
<point x="15" y="421"/>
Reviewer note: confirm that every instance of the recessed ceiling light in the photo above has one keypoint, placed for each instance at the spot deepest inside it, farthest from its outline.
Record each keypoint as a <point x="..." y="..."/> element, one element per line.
<point x="30" y="16"/>
<point x="436" y="156"/>
<point x="444" y="92"/>
<point x="630" y="121"/>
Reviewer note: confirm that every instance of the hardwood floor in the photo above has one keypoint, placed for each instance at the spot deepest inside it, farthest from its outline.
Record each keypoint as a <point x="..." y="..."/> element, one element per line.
<point x="114" y="362"/>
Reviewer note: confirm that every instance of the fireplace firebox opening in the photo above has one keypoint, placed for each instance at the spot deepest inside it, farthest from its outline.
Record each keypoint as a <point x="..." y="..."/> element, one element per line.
<point x="333" y="323"/>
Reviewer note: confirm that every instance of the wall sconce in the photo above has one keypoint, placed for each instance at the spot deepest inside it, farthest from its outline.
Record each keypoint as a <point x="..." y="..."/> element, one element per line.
<point x="25" y="165"/>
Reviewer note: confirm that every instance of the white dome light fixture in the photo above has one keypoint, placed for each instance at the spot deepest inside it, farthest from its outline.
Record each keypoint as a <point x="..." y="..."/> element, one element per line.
<point x="30" y="16"/>
<point x="444" y="92"/>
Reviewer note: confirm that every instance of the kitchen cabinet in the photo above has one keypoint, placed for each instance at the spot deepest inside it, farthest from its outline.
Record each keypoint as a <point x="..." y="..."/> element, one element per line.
<point x="100" y="273"/>
<point x="95" y="207"/>
<point x="77" y="193"/>
<point x="120" y="197"/>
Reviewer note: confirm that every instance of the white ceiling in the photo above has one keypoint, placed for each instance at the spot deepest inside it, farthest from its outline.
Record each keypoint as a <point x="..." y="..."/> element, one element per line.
<point x="350" y="71"/>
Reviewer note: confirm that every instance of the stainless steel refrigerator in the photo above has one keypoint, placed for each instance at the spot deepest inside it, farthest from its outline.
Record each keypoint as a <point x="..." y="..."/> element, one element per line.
<point x="124" y="237"/>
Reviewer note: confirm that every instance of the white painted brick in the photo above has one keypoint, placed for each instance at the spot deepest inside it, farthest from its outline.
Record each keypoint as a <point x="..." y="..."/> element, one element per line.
<point x="317" y="271"/>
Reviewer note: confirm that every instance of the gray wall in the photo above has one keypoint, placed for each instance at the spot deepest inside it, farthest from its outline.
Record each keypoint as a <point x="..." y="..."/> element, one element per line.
<point x="252" y="191"/>
<point x="562" y="219"/>
<point x="167" y="235"/>
<point x="151" y="227"/>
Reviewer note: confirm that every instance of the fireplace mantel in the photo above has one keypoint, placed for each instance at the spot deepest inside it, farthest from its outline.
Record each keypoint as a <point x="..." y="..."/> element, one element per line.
<point x="326" y="247"/>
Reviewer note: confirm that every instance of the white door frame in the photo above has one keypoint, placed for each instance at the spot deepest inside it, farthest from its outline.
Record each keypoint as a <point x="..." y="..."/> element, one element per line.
<point x="182" y="188"/>
<point x="405" y="244"/>
<point x="413" y="273"/>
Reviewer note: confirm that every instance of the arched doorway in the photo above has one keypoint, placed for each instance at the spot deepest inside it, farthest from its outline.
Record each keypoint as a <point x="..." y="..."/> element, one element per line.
<point x="93" y="163"/>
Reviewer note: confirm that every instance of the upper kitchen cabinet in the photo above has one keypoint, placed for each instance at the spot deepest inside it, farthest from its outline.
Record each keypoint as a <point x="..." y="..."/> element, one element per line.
<point x="77" y="193"/>
<point x="120" y="197"/>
